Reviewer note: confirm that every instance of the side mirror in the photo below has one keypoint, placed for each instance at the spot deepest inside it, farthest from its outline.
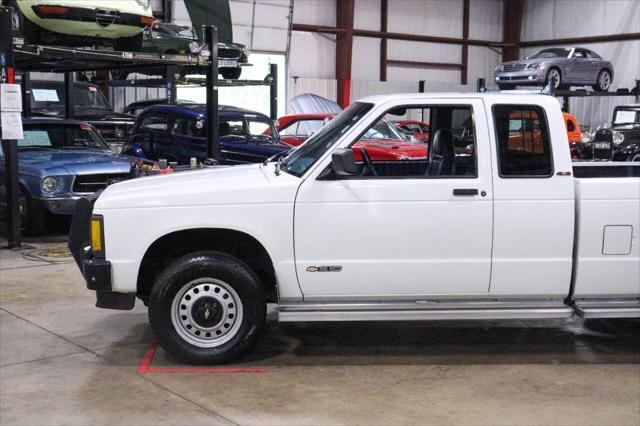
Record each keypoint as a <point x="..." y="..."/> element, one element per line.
<point x="343" y="163"/>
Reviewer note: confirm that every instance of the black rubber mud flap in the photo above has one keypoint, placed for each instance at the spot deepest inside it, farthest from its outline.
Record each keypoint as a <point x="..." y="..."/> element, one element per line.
<point x="79" y="234"/>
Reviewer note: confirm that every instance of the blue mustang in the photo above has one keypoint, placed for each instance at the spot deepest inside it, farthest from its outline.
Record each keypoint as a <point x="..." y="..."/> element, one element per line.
<point x="178" y="133"/>
<point x="60" y="161"/>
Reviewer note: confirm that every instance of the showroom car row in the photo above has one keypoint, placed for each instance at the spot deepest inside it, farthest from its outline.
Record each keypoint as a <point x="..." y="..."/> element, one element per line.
<point x="63" y="160"/>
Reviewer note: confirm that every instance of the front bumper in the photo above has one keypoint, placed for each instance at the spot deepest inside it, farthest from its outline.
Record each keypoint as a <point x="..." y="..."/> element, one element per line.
<point x="523" y="77"/>
<point x="96" y="272"/>
<point x="57" y="205"/>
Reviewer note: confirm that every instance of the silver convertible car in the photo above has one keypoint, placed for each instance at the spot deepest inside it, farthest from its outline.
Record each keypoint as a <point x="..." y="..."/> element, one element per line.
<point x="573" y="66"/>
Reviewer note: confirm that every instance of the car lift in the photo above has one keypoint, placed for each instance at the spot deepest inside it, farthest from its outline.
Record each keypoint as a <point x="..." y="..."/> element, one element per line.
<point x="18" y="57"/>
<point x="567" y="94"/>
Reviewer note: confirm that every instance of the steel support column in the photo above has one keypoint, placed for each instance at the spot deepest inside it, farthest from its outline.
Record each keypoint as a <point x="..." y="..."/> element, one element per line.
<point x="512" y="27"/>
<point x="465" y="47"/>
<point x="10" y="147"/>
<point x="213" y="112"/>
<point x="384" y="18"/>
<point x="344" y="49"/>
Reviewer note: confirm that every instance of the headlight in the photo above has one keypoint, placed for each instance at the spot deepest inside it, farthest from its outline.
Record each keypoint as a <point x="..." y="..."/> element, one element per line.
<point x="618" y="138"/>
<point x="119" y="132"/>
<point x="50" y="184"/>
<point x="535" y="66"/>
<point x="143" y="3"/>
<point x="194" y="47"/>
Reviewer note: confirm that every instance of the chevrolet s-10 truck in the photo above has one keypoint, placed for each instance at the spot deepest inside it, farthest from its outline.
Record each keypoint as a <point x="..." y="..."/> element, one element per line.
<point x="497" y="223"/>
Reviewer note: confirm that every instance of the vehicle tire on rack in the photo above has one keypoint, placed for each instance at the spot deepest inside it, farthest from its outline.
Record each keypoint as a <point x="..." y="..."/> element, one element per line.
<point x="207" y="307"/>
<point x="231" y="73"/>
<point x="634" y="158"/>
<point x="128" y="44"/>
<point x="30" y="31"/>
<point x="557" y="75"/>
<point x="604" y="81"/>
<point x="503" y="86"/>
<point x="33" y="220"/>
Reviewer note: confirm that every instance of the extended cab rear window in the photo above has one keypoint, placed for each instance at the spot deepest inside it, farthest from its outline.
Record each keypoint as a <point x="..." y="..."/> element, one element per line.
<point x="522" y="135"/>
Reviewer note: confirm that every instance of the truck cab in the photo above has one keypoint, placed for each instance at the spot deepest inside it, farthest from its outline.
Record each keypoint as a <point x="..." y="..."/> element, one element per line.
<point x="493" y="224"/>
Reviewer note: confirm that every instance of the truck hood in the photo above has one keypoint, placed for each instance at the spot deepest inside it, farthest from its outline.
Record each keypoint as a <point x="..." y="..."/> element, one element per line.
<point x="243" y="184"/>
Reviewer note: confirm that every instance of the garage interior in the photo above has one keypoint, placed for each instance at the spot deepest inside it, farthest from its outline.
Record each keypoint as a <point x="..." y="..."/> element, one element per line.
<point x="64" y="361"/>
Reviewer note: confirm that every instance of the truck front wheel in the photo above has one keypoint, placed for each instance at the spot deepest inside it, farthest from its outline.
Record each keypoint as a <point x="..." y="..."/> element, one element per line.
<point x="207" y="308"/>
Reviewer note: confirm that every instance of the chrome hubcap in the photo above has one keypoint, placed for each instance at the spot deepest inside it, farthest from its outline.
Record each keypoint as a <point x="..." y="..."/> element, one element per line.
<point x="605" y="80"/>
<point x="206" y="312"/>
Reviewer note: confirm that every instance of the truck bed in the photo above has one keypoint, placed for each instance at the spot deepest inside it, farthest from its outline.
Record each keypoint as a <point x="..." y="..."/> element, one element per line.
<point x="607" y="250"/>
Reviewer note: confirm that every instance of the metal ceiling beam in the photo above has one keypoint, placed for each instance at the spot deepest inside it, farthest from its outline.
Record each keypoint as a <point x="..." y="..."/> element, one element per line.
<point x="582" y="40"/>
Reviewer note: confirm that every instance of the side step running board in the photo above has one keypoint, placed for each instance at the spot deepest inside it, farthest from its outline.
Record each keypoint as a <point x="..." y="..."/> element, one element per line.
<point x="416" y="312"/>
<point x="607" y="309"/>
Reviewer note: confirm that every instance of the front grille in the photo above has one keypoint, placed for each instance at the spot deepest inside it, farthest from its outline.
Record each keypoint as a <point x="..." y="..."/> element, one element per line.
<point x="514" y="67"/>
<point x="104" y="18"/>
<point x="84" y="184"/>
<point x="227" y="53"/>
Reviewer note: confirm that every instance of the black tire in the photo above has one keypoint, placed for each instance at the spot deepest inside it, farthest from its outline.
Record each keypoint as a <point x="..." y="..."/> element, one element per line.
<point x="603" y="83"/>
<point x="128" y="44"/>
<point x="206" y="271"/>
<point x="231" y="73"/>
<point x="506" y="86"/>
<point x="30" y="31"/>
<point x="554" y="72"/>
<point x="634" y="158"/>
<point x="33" y="220"/>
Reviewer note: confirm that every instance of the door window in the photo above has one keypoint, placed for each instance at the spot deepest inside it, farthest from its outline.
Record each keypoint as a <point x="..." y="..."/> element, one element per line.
<point x="522" y="136"/>
<point x="155" y="123"/>
<point x="448" y="151"/>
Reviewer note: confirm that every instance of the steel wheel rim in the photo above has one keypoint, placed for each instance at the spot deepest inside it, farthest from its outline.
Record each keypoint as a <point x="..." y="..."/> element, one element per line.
<point x="605" y="80"/>
<point x="190" y="326"/>
<point x="555" y="75"/>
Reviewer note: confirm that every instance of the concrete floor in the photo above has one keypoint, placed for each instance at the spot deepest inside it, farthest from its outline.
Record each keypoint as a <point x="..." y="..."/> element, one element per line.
<point x="63" y="361"/>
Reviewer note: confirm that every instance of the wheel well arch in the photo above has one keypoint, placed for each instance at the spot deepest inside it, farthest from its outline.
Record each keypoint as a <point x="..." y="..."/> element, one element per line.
<point x="174" y="245"/>
<point x="606" y="68"/>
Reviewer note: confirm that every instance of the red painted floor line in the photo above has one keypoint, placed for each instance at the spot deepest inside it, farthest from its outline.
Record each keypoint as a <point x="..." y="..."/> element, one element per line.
<point x="145" y="365"/>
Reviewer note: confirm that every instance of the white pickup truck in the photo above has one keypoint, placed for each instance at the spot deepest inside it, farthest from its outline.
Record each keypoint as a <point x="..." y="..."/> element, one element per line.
<point x="494" y="223"/>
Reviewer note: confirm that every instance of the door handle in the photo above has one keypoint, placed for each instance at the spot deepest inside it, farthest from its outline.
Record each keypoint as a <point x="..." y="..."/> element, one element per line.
<point x="465" y="192"/>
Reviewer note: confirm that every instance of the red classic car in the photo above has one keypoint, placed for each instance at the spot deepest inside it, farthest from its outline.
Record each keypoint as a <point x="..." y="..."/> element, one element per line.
<point x="382" y="141"/>
<point x="417" y="129"/>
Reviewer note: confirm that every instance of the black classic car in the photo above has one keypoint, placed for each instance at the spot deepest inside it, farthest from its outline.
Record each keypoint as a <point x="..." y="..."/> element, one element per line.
<point x="180" y="39"/>
<point x="622" y="141"/>
<point x="89" y="104"/>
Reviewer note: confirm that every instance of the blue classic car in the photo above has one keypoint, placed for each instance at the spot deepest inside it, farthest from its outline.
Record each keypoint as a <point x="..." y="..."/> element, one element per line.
<point x="59" y="161"/>
<point x="178" y="133"/>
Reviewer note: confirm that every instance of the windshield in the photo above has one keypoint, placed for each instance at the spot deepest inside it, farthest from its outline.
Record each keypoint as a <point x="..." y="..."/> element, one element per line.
<point x="84" y="97"/>
<point x="626" y="116"/>
<point x="552" y="53"/>
<point x="302" y="158"/>
<point x="61" y="137"/>
<point x="173" y="31"/>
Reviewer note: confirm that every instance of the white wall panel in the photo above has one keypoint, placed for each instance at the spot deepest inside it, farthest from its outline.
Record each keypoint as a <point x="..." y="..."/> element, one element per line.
<point x="315" y="12"/>
<point x="365" y="64"/>
<point x="548" y="19"/>
<point x="426" y="17"/>
<point x="367" y="14"/>
<point x="485" y="19"/>
<point x="312" y="55"/>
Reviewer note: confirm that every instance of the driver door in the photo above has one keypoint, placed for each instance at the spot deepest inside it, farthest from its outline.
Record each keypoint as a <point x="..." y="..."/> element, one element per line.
<point x="404" y="236"/>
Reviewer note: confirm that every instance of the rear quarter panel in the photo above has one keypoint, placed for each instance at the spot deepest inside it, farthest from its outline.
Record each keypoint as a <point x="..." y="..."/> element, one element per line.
<point x="607" y="244"/>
